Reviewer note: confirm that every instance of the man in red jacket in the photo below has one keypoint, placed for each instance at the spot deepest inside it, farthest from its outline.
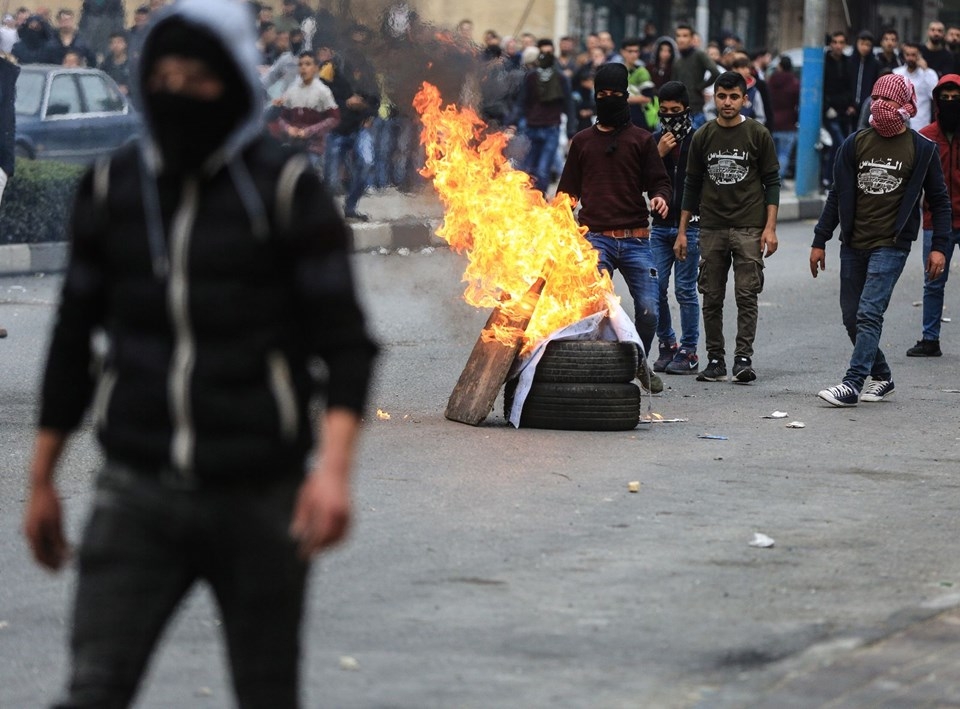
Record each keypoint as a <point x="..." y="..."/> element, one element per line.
<point x="943" y="132"/>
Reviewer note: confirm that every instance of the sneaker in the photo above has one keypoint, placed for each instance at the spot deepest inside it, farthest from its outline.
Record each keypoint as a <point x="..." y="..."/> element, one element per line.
<point x="716" y="371"/>
<point x="842" y="394"/>
<point x="925" y="348"/>
<point x="743" y="370"/>
<point x="877" y="390"/>
<point x="648" y="380"/>
<point x="684" y="362"/>
<point x="666" y="356"/>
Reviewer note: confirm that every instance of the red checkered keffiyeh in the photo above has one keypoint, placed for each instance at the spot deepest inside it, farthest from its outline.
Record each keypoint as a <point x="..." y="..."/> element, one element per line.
<point x="887" y="120"/>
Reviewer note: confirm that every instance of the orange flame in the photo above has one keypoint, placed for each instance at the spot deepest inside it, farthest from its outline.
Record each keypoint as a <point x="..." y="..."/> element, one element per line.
<point x="504" y="225"/>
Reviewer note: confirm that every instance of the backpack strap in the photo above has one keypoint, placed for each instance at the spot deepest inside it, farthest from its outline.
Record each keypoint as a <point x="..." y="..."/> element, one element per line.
<point x="286" y="188"/>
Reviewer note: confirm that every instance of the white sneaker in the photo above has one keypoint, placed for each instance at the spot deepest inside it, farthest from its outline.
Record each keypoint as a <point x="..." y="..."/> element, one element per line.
<point x="877" y="390"/>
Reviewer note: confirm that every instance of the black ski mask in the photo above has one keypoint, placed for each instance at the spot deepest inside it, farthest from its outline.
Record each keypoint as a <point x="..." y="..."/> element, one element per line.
<point x="612" y="111"/>
<point x="948" y="115"/>
<point x="188" y="130"/>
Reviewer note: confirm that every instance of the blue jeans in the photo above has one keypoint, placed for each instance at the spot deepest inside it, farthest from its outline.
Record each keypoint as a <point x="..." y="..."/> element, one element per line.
<point x="867" y="278"/>
<point x="384" y="144"/>
<point x="784" y="140"/>
<point x="697" y="120"/>
<point x="147" y="544"/>
<point x="356" y="151"/>
<point x="839" y="129"/>
<point x="634" y="259"/>
<point x="933" y="288"/>
<point x="662" y="240"/>
<point x="543" y="146"/>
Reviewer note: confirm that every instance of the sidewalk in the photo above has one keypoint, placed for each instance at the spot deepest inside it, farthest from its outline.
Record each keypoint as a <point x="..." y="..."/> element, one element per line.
<point x="916" y="664"/>
<point x="397" y="220"/>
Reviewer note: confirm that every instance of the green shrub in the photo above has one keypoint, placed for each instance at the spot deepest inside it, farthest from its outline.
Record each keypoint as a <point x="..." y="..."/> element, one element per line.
<point x="37" y="201"/>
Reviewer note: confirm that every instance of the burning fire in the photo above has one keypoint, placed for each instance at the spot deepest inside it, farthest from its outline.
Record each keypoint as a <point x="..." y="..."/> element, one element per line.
<point x="506" y="228"/>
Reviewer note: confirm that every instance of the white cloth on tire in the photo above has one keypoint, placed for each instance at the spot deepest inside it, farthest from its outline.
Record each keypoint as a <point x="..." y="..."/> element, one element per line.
<point x="614" y="325"/>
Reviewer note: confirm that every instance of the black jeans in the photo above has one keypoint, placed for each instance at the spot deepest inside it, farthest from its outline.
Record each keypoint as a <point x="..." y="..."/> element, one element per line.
<point x="144" y="547"/>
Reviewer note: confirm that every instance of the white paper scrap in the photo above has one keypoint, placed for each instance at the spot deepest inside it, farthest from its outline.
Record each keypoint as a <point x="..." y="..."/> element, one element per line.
<point x="761" y="541"/>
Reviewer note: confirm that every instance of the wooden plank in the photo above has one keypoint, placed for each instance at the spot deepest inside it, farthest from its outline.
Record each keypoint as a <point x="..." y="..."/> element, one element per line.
<point x="489" y="363"/>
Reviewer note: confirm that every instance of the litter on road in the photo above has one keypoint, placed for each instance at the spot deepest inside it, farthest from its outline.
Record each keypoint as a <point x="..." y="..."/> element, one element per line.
<point x="761" y="541"/>
<point x="796" y="424"/>
<point x="776" y="415"/>
<point x="712" y="437"/>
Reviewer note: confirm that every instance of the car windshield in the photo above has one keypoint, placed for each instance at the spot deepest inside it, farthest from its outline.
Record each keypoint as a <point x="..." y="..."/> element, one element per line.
<point x="29" y="93"/>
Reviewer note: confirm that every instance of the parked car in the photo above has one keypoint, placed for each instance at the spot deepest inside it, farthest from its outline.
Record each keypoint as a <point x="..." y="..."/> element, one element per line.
<point x="71" y="114"/>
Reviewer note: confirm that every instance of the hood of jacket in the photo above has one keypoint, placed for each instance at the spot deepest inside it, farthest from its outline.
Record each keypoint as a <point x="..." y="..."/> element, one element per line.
<point x="660" y="42"/>
<point x="944" y="80"/>
<point x="228" y="23"/>
<point x="35" y="38"/>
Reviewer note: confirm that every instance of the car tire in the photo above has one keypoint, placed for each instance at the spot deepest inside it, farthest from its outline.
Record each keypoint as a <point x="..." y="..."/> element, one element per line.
<point x="22" y="151"/>
<point x="587" y="361"/>
<point x="578" y="406"/>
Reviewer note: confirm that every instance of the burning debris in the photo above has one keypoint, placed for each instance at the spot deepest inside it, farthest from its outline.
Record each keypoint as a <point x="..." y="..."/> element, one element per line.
<point x="527" y="258"/>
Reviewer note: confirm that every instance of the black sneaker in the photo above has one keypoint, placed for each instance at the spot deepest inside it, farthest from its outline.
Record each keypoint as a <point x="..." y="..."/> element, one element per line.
<point x="841" y="395"/>
<point x="684" y="362"/>
<point x="743" y="370"/>
<point x="925" y="348"/>
<point x="666" y="356"/>
<point x="715" y="371"/>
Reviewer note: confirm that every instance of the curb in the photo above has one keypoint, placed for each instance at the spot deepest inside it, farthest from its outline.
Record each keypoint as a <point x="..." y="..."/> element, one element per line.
<point x="18" y="259"/>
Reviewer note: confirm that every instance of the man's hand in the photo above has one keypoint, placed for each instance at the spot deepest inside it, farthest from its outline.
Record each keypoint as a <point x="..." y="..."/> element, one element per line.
<point x="43" y="526"/>
<point x="321" y="517"/>
<point x="43" y="519"/>
<point x="356" y="103"/>
<point x="660" y="206"/>
<point x="668" y="141"/>
<point x="680" y="247"/>
<point x="936" y="262"/>
<point x="818" y="261"/>
<point x="768" y="242"/>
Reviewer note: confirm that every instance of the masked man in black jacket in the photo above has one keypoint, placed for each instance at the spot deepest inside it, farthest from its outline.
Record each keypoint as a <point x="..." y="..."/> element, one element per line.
<point x="214" y="266"/>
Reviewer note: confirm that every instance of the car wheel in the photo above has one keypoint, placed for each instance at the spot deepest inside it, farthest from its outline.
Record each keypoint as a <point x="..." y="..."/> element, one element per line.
<point x="22" y="151"/>
<point x="578" y="406"/>
<point x="587" y="361"/>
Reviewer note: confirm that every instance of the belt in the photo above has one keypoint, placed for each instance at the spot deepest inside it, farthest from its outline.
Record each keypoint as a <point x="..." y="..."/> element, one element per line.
<point x="627" y="233"/>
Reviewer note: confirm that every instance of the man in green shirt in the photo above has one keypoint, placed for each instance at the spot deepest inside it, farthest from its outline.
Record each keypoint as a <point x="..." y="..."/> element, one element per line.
<point x="734" y="176"/>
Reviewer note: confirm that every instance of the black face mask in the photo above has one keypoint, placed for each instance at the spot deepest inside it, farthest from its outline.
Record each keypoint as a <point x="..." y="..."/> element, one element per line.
<point x="677" y="123"/>
<point x="613" y="111"/>
<point x="189" y="130"/>
<point x="948" y="115"/>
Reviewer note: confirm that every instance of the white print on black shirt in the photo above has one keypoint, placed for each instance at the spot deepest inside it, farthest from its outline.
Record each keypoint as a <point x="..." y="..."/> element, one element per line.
<point x="879" y="177"/>
<point x="728" y="168"/>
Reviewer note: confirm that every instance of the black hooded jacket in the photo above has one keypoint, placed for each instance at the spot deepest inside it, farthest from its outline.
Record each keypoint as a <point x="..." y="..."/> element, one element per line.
<point x="217" y="289"/>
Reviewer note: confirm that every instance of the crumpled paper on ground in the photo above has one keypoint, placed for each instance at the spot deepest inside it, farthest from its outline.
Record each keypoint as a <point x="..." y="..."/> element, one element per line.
<point x="614" y="324"/>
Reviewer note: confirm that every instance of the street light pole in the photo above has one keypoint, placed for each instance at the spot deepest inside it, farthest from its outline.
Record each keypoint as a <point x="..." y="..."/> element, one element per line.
<point x="811" y="98"/>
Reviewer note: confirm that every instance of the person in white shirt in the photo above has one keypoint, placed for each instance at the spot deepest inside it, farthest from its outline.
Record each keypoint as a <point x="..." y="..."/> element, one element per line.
<point x="308" y="110"/>
<point x="8" y="34"/>
<point x="924" y="80"/>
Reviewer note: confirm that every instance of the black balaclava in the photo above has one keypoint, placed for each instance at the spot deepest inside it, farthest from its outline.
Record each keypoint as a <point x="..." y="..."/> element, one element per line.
<point x="948" y="113"/>
<point x="612" y="111"/>
<point x="189" y="130"/>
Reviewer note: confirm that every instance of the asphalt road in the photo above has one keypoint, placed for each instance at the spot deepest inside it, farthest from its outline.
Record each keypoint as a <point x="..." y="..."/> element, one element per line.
<point x="493" y="567"/>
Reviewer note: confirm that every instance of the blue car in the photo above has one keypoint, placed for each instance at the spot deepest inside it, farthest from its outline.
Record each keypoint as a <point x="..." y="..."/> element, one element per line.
<point x="71" y="114"/>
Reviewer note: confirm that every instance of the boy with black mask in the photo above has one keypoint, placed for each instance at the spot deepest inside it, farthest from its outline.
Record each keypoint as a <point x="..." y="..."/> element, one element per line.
<point x="943" y="132"/>
<point x="609" y="167"/>
<point x="673" y="144"/>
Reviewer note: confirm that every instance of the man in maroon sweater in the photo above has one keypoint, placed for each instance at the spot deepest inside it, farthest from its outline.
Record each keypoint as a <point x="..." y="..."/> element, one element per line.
<point x="945" y="132"/>
<point x="609" y="167"/>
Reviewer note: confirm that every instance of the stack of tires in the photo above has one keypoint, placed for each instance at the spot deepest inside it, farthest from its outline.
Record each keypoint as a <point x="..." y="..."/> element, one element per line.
<point x="581" y="385"/>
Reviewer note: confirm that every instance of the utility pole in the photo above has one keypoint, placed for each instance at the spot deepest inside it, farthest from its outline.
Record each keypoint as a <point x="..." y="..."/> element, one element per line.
<point x="811" y="98"/>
